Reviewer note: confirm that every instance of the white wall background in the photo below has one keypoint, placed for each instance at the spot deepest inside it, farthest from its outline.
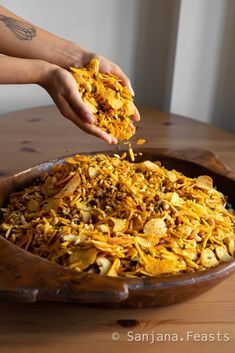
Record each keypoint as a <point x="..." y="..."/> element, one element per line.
<point x="197" y="57"/>
<point x="179" y="54"/>
<point x="204" y="74"/>
<point x="136" y="34"/>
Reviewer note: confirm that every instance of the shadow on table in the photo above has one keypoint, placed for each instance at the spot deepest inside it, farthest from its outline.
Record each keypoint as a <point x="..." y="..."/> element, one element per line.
<point x="44" y="323"/>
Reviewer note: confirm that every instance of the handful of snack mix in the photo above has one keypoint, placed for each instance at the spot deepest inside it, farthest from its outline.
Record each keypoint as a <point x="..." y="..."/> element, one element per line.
<point x="110" y="103"/>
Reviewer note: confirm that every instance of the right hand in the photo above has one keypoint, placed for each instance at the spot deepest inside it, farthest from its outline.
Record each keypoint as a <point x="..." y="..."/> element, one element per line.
<point x="62" y="88"/>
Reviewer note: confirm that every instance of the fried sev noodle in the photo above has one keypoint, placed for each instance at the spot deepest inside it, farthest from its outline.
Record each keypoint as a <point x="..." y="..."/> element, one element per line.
<point x="102" y="214"/>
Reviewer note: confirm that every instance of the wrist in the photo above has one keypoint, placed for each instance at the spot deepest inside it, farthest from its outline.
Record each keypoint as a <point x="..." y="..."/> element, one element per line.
<point x="71" y="55"/>
<point x="45" y="71"/>
<point x="75" y="55"/>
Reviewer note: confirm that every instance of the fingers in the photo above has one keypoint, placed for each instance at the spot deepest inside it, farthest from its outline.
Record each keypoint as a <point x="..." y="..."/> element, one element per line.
<point x="136" y="116"/>
<point x="107" y="66"/>
<point x="117" y="71"/>
<point x="67" y="110"/>
<point x="126" y="82"/>
<point x="79" y="106"/>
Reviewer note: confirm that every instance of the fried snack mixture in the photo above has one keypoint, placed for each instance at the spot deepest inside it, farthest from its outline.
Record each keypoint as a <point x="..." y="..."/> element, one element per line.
<point x="110" y="102"/>
<point x="105" y="215"/>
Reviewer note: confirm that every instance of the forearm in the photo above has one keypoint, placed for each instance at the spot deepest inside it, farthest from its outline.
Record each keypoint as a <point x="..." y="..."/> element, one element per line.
<point x="23" y="71"/>
<point x="22" y="39"/>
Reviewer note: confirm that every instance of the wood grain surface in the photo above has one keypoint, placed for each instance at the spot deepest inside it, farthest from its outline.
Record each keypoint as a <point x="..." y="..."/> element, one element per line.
<point x="35" y="135"/>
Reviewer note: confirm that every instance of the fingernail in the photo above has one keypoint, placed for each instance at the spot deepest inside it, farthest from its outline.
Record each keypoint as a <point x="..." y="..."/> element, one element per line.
<point x="131" y="90"/>
<point x="108" y="139"/>
<point x="89" y="118"/>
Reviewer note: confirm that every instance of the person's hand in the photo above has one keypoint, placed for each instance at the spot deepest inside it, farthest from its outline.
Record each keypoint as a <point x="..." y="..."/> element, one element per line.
<point x="62" y="88"/>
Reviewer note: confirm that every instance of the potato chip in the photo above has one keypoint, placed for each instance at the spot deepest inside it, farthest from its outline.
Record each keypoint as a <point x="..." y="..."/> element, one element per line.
<point x="222" y="254"/>
<point x="92" y="105"/>
<point x="119" y="224"/>
<point x="86" y="216"/>
<point x="155" y="267"/>
<point x="104" y="264"/>
<point x="113" y="271"/>
<point x="230" y="243"/>
<point x="146" y="242"/>
<point x="204" y="182"/>
<point x="104" y="228"/>
<point x="33" y="205"/>
<point x="92" y="171"/>
<point x="209" y="258"/>
<point x="147" y="166"/>
<point x="70" y="187"/>
<point x="155" y="226"/>
<point x="82" y="258"/>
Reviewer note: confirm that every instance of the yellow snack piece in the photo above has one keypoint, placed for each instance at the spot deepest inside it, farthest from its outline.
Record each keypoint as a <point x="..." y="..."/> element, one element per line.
<point x="81" y="259"/>
<point x="140" y="141"/>
<point x="131" y="153"/>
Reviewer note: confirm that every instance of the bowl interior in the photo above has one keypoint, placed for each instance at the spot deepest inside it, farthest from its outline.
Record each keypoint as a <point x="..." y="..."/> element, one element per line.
<point x="135" y="292"/>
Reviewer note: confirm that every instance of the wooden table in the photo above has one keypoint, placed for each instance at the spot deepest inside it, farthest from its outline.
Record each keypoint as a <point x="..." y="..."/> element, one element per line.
<point x="35" y="135"/>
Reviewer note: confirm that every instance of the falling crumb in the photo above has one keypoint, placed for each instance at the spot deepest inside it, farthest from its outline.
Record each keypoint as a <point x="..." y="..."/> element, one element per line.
<point x="140" y="141"/>
<point x="123" y="156"/>
<point x="131" y="153"/>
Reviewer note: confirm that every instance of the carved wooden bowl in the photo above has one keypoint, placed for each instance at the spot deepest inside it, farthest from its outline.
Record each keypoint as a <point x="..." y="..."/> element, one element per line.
<point x="28" y="278"/>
